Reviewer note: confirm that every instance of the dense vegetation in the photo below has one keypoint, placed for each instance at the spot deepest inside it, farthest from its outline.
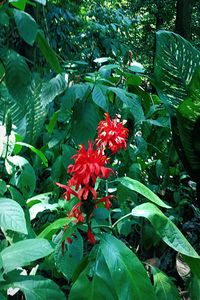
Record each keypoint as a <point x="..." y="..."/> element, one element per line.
<point x="99" y="150"/>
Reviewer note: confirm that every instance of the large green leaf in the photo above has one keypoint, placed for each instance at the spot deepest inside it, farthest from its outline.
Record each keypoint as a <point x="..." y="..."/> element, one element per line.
<point x="175" y="63"/>
<point x="194" y="288"/>
<point x="24" y="252"/>
<point x="68" y="261"/>
<point x="177" y="81"/>
<point x="114" y="272"/>
<point x="18" y="75"/>
<point x="164" y="287"/>
<point x="23" y="174"/>
<point x="140" y="188"/>
<point x="85" y="117"/>
<point x="16" y="109"/>
<point x="37" y="288"/>
<point x="99" y="96"/>
<point x="35" y="111"/>
<point x="53" y="88"/>
<point x="131" y="101"/>
<point x="54" y="227"/>
<point x="39" y="153"/>
<point x="188" y="116"/>
<point x="12" y="216"/>
<point x="165" y="228"/>
<point x="26" y="26"/>
<point x="48" y="53"/>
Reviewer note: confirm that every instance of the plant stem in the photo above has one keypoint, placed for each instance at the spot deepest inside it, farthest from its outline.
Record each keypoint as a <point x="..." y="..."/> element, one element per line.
<point x="122" y="218"/>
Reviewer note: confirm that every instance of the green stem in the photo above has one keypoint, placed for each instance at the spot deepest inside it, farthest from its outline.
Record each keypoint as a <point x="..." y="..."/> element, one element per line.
<point x="121" y="219"/>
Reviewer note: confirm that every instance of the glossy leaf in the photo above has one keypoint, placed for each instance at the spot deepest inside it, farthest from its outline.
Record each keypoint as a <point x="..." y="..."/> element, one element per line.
<point x="115" y="271"/>
<point x="12" y="216"/>
<point x="175" y="63"/>
<point x="164" y="287"/>
<point x="165" y="228"/>
<point x="140" y="188"/>
<point x="53" y="88"/>
<point x="23" y="174"/>
<point x="54" y="227"/>
<point x="38" y="288"/>
<point x="69" y="260"/>
<point x="39" y="153"/>
<point x="24" y="252"/>
<point x="99" y="96"/>
<point x="26" y="26"/>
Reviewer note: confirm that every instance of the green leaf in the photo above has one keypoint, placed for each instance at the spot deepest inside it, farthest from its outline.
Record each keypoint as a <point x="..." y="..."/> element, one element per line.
<point x="26" y="26"/>
<point x="35" y="111"/>
<point x="24" y="252"/>
<point x="53" y="88"/>
<point x="131" y="101"/>
<point x="12" y="216"/>
<point x="140" y="188"/>
<point x="3" y="187"/>
<point x="48" y="53"/>
<point x="4" y="20"/>
<point x="115" y="271"/>
<point x="73" y="253"/>
<point x="85" y="116"/>
<point x="23" y="174"/>
<point x="175" y="63"/>
<point x="18" y="75"/>
<point x="54" y="227"/>
<point x="37" y="151"/>
<point x="99" y="96"/>
<point x="194" y="288"/>
<point x="20" y="4"/>
<point x="165" y="228"/>
<point x="164" y="287"/>
<point x="38" y="288"/>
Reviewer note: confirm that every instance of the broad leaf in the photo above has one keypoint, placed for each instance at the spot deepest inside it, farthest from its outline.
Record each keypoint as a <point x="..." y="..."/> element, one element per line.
<point x="68" y="261"/>
<point x="18" y="76"/>
<point x="38" y="288"/>
<point x="140" y="188"/>
<point x="115" y="271"/>
<point x="165" y="228"/>
<point x="99" y="96"/>
<point x="26" y="26"/>
<point x="54" y="227"/>
<point x="24" y="252"/>
<point x="175" y="63"/>
<point x="37" y="151"/>
<point x="164" y="287"/>
<point x="20" y="4"/>
<point x="131" y="101"/>
<point x="23" y="174"/>
<point x="12" y="216"/>
<point x="48" y="53"/>
<point x="85" y="117"/>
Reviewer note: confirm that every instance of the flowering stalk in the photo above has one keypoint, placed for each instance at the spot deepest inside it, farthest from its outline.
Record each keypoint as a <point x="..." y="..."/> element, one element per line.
<point x="90" y="164"/>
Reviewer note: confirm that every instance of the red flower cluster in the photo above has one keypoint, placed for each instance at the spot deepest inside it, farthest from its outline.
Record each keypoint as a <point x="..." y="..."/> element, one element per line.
<point x="90" y="164"/>
<point x="111" y="133"/>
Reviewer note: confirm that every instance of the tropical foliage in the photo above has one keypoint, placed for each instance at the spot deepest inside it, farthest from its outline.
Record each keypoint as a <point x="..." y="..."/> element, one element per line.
<point x="99" y="156"/>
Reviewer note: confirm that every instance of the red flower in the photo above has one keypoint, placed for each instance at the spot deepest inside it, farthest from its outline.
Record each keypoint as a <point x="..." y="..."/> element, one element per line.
<point x="106" y="200"/>
<point x="88" y="165"/>
<point x="111" y="133"/>
<point x="91" y="237"/>
<point x="69" y="191"/>
<point x="76" y="213"/>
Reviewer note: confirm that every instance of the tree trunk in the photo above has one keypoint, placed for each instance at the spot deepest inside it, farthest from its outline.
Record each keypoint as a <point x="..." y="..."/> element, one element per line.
<point x="184" y="18"/>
